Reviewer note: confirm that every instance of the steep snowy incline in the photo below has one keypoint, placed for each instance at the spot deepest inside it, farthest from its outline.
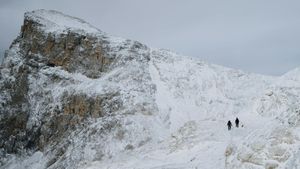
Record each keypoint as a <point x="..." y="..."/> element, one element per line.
<point x="195" y="100"/>
<point x="201" y="91"/>
<point x="192" y="92"/>
<point x="74" y="97"/>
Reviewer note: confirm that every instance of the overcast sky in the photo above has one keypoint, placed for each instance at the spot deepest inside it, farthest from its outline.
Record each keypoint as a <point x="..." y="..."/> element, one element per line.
<point x="255" y="36"/>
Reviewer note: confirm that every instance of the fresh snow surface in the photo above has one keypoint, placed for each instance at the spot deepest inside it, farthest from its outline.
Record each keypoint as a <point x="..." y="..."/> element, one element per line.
<point x="54" y="21"/>
<point x="190" y="106"/>
<point x="195" y="101"/>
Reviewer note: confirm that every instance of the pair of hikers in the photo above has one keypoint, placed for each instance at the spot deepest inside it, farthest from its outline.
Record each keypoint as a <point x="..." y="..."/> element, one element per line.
<point x="229" y="124"/>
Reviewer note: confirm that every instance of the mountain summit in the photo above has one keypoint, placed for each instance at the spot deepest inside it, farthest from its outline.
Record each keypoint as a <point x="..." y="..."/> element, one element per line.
<point x="72" y="96"/>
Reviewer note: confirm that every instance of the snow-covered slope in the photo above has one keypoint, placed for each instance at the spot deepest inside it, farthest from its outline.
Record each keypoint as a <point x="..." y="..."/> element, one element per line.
<point x="95" y="101"/>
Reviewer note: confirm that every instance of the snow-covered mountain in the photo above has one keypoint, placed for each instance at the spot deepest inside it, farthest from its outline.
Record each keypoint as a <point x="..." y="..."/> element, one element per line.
<point x="73" y="96"/>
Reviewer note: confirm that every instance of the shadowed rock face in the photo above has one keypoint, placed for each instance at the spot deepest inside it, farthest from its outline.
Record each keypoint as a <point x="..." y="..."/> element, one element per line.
<point x="57" y="122"/>
<point x="75" y="110"/>
<point x="14" y="112"/>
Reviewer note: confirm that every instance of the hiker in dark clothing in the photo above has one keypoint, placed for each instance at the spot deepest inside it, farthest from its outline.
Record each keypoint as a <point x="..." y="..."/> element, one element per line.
<point x="229" y="124"/>
<point x="237" y="121"/>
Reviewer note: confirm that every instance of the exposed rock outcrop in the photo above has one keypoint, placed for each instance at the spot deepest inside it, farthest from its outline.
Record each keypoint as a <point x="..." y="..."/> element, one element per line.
<point x="44" y="83"/>
<point x="73" y="51"/>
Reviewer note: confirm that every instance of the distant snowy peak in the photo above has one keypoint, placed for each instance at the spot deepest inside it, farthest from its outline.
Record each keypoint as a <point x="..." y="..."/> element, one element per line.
<point x="54" y="21"/>
<point x="295" y="74"/>
<point x="289" y="79"/>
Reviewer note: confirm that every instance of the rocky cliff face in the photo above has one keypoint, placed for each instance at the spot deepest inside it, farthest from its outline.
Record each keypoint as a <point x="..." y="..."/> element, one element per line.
<point x="74" y="52"/>
<point x="36" y="117"/>
<point x="72" y="96"/>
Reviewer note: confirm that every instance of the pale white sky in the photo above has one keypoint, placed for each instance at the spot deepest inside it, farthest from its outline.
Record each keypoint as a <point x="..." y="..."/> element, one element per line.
<point x="256" y="36"/>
